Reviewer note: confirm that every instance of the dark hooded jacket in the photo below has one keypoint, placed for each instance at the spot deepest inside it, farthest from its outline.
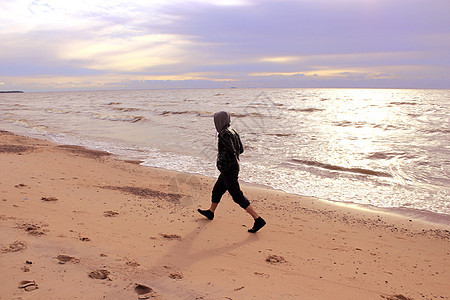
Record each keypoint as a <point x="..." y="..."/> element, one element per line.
<point x="229" y="146"/>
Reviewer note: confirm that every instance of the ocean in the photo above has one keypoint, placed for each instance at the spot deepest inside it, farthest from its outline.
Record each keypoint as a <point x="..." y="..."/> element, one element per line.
<point x="386" y="148"/>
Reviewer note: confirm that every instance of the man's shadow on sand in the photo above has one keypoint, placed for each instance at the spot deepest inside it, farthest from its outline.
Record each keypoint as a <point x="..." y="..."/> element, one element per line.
<point x="180" y="254"/>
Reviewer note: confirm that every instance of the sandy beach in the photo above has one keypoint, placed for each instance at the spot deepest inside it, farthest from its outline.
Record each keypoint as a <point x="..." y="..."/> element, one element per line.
<point x="83" y="224"/>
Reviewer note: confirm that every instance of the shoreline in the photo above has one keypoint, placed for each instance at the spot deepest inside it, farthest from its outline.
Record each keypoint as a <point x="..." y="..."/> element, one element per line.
<point x="73" y="217"/>
<point x="405" y="212"/>
<point x="425" y="216"/>
<point x="401" y="212"/>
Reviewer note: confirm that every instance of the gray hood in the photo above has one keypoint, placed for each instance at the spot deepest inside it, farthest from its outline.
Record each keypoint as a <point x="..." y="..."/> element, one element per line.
<point x="221" y="120"/>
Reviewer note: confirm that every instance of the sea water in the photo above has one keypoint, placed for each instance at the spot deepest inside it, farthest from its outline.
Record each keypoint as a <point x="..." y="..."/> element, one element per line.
<point x="381" y="147"/>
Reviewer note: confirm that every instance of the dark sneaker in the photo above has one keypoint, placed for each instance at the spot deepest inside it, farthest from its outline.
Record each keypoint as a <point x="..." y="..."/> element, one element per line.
<point x="207" y="213"/>
<point x="259" y="223"/>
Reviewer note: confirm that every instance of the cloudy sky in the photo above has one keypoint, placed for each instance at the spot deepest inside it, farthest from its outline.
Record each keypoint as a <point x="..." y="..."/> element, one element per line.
<point x="48" y="45"/>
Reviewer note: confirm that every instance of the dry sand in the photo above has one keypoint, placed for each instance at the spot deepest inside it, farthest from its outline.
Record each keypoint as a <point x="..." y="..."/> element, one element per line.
<point x="81" y="224"/>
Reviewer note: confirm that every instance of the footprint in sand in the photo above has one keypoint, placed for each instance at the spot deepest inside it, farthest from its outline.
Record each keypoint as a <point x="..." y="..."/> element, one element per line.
<point x="99" y="274"/>
<point x="14" y="247"/>
<point x="141" y="289"/>
<point x="31" y="229"/>
<point x="144" y="291"/>
<point x="65" y="258"/>
<point x="28" y="285"/>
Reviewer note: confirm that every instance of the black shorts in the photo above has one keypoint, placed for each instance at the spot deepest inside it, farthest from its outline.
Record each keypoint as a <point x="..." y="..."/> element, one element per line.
<point x="228" y="181"/>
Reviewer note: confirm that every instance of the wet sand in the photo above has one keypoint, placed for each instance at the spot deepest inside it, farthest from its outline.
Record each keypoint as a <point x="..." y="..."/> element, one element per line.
<point x="79" y="223"/>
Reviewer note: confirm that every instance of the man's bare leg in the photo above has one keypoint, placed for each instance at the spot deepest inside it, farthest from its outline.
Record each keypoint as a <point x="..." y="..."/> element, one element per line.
<point x="252" y="212"/>
<point x="213" y="206"/>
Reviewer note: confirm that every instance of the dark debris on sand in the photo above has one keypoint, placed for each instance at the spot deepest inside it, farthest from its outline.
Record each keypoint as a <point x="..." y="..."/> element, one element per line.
<point x="275" y="259"/>
<point x="146" y="193"/>
<point x="170" y="236"/>
<point x="396" y="297"/>
<point x="377" y="222"/>
<point x="49" y="199"/>
<point x="133" y="264"/>
<point x="14" y="148"/>
<point x="84" y="151"/>
<point x="5" y="132"/>
<point x="32" y="229"/>
<point x="110" y="213"/>
<point x="176" y="276"/>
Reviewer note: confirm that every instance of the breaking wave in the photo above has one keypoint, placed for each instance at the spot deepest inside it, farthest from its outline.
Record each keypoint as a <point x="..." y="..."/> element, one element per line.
<point x="253" y="114"/>
<point x="361" y="124"/>
<point x="125" y="109"/>
<point x="57" y="111"/>
<point x="360" y="171"/>
<point x="403" y="103"/>
<point x="311" y="109"/>
<point x="186" y="112"/>
<point x="131" y="119"/>
<point x="386" y="155"/>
